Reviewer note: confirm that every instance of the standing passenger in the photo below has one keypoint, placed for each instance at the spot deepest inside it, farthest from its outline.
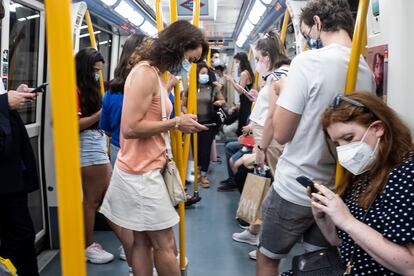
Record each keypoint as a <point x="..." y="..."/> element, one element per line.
<point x="137" y="198"/>
<point x="110" y="122"/>
<point x="273" y="64"/>
<point x="208" y="96"/>
<point x="19" y="177"/>
<point x="96" y="169"/>
<point x="315" y="78"/>
<point x="242" y="64"/>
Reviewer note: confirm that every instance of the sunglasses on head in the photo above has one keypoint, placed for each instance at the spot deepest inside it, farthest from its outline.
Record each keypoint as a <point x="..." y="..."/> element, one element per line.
<point x="337" y="101"/>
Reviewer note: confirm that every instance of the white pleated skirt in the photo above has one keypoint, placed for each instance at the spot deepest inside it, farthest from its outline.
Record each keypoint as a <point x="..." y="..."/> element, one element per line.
<point x="139" y="202"/>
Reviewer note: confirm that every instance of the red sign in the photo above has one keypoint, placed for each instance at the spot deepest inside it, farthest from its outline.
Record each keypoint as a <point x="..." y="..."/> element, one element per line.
<point x="189" y="5"/>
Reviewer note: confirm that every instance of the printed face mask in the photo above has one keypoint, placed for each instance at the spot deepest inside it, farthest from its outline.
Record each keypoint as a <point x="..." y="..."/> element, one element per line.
<point x="357" y="157"/>
<point x="313" y="43"/>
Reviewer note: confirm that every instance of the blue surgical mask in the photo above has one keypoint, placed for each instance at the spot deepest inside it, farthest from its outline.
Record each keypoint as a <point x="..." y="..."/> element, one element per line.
<point x="203" y="78"/>
<point x="96" y="76"/>
<point x="215" y="62"/>
<point x="182" y="69"/>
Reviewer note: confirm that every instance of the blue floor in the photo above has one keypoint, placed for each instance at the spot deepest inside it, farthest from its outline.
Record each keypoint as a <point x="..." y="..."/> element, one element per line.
<point x="209" y="228"/>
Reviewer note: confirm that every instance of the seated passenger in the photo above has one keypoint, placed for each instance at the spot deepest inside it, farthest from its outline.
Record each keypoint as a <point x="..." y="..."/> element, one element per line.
<point x="315" y="78"/>
<point x="137" y="198"/>
<point x="371" y="216"/>
<point x="208" y="98"/>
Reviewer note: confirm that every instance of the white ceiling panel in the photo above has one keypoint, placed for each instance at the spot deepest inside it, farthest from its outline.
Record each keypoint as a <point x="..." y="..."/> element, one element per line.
<point x="222" y="28"/>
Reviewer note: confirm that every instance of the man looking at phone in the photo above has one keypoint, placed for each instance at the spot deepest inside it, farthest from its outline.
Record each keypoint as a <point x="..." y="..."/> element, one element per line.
<point x="315" y="78"/>
<point x="18" y="178"/>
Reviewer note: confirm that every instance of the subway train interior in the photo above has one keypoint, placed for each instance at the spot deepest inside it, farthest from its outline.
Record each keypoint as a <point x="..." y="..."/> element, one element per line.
<point x="204" y="235"/>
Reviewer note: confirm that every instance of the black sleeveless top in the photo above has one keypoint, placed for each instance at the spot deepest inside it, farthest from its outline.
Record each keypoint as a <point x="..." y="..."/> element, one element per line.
<point x="245" y="109"/>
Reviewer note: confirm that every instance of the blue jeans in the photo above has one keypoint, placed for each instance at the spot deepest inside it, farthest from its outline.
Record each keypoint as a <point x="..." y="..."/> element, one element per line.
<point x="232" y="147"/>
<point x="113" y="152"/>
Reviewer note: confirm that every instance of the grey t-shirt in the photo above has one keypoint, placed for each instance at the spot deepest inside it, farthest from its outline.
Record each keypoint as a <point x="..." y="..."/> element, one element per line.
<point x="315" y="78"/>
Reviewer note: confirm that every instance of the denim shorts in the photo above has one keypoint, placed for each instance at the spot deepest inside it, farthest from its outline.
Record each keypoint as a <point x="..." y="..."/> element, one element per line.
<point x="93" y="147"/>
<point x="239" y="154"/>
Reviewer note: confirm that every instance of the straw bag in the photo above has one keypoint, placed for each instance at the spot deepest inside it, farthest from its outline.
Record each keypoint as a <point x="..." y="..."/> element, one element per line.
<point x="170" y="172"/>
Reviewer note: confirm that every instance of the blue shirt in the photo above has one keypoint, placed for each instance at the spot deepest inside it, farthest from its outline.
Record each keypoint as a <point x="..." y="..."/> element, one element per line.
<point x="110" y="120"/>
<point x="171" y="97"/>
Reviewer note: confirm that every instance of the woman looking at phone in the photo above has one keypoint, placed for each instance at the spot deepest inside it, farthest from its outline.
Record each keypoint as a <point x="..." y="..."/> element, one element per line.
<point x="371" y="216"/>
<point x="137" y="198"/>
<point x="208" y="98"/>
<point x="242" y="65"/>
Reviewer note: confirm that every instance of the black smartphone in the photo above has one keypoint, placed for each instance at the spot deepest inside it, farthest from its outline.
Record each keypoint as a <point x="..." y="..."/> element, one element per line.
<point x="40" y="89"/>
<point x="210" y="125"/>
<point x="306" y="182"/>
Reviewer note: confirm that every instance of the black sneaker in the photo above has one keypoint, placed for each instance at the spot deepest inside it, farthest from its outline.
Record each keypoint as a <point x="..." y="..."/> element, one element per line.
<point x="227" y="188"/>
<point x="225" y="181"/>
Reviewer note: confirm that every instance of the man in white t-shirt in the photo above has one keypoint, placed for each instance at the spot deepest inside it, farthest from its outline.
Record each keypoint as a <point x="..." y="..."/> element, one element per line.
<point x="315" y="78"/>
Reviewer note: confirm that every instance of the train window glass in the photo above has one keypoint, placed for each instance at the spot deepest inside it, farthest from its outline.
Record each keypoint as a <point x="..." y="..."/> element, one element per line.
<point x="23" y="53"/>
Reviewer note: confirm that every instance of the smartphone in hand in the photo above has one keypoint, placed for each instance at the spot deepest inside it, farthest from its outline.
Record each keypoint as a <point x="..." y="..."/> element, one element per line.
<point x="210" y="125"/>
<point x="40" y="89"/>
<point x="306" y="182"/>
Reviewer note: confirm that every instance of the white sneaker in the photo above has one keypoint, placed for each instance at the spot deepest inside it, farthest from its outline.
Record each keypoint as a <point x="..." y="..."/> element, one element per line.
<point x="252" y="255"/>
<point x="154" y="272"/>
<point x="122" y="255"/>
<point x="178" y="259"/>
<point x="246" y="237"/>
<point x="130" y="271"/>
<point x="96" y="255"/>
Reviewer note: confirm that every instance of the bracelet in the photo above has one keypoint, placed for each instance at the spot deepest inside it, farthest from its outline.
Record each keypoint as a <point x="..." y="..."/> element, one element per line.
<point x="177" y="123"/>
<point x="260" y="148"/>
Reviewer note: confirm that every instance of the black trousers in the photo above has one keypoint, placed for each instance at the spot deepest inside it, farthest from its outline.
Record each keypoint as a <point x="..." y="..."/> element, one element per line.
<point x="17" y="235"/>
<point x="205" y="140"/>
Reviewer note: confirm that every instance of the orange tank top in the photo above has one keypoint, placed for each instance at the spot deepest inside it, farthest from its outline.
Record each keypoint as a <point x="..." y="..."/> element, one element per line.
<point x="141" y="155"/>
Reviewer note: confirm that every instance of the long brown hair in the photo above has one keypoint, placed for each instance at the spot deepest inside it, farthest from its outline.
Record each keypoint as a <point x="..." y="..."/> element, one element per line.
<point x="167" y="50"/>
<point x="394" y="144"/>
<point x="271" y="46"/>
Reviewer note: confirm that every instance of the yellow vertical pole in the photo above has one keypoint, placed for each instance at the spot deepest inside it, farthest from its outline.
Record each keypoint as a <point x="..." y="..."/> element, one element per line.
<point x="178" y="142"/>
<point x="285" y="23"/>
<point x="358" y="46"/>
<point x="158" y="14"/>
<point x="173" y="11"/>
<point x="209" y="57"/>
<point x="66" y="137"/>
<point x="93" y="45"/>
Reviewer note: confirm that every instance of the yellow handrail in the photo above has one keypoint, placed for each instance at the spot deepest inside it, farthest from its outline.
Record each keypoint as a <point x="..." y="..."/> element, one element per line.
<point x="285" y="23"/>
<point x="209" y="57"/>
<point x="357" y="49"/>
<point x="179" y="152"/>
<point x="93" y="45"/>
<point x="158" y="15"/>
<point x="66" y="137"/>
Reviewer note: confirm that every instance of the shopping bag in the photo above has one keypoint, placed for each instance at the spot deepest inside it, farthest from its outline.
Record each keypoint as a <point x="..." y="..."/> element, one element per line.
<point x="254" y="190"/>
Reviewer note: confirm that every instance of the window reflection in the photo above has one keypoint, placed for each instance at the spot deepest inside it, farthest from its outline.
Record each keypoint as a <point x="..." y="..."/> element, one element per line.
<point x="23" y="53"/>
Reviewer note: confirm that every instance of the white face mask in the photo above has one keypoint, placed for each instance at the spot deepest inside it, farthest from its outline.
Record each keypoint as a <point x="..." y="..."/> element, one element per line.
<point x="262" y="67"/>
<point x="357" y="157"/>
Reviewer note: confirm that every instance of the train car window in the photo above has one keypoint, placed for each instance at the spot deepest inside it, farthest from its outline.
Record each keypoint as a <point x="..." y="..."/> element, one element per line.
<point x="23" y="53"/>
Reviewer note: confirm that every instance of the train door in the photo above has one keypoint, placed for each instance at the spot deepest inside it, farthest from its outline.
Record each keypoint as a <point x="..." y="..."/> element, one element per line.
<point x="22" y="62"/>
